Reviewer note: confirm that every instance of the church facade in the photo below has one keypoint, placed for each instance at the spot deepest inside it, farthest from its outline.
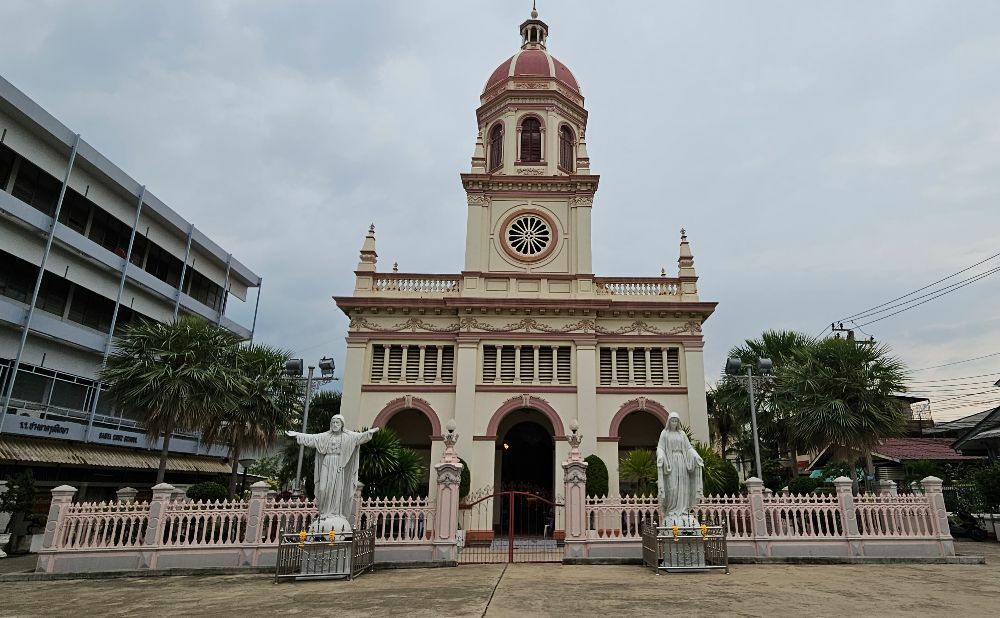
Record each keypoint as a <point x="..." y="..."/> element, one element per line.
<point x="525" y="343"/>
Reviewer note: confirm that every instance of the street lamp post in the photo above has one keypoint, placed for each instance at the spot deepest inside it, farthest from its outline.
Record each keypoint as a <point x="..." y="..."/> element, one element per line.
<point x="294" y="370"/>
<point x="764" y="365"/>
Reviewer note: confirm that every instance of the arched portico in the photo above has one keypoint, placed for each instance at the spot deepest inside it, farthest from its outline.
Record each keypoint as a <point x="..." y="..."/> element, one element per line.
<point x="634" y="405"/>
<point x="521" y="403"/>
<point x="409" y="403"/>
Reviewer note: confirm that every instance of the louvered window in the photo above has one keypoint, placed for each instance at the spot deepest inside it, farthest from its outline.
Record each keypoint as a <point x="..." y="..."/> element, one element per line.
<point x="639" y="366"/>
<point x="566" y="148"/>
<point x="507" y="364"/>
<point x="673" y="366"/>
<point x="565" y="369"/>
<point x="395" y="363"/>
<point x="531" y="140"/>
<point x="431" y="363"/>
<point x="656" y="366"/>
<point x="496" y="147"/>
<point x="545" y="374"/>
<point x="621" y="365"/>
<point x="489" y="364"/>
<point x="378" y="363"/>
<point x="527" y="369"/>
<point x="605" y="366"/>
<point x="448" y="364"/>
<point x="639" y="370"/>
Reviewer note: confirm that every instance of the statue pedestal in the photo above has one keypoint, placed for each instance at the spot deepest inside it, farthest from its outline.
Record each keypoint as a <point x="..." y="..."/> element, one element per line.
<point x="684" y="552"/>
<point x="340" y="525"/>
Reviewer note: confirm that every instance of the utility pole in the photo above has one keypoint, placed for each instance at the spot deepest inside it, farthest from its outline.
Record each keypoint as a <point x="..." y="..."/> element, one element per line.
<point x="838" y="327"/>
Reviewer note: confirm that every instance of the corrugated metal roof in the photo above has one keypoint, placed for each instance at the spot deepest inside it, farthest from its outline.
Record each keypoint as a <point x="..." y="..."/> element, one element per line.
<point x="28" y="450"/>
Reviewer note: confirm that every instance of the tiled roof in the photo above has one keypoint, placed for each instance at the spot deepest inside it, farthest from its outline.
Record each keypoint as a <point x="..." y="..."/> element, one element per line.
<point x="909" y="449"/>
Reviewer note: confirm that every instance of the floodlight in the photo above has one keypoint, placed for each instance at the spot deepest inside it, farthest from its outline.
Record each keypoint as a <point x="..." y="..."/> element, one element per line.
<point x="764" y="366"/>
<point x="733" y="366"/>
<point x="293" y="367"/>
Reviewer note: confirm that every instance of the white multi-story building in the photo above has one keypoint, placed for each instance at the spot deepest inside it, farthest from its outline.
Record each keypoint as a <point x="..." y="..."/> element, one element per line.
<point x="525" y="342"/>
<point x="112" y="253"/>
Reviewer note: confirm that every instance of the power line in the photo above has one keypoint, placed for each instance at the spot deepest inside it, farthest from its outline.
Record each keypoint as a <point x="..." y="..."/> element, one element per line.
<point x="947" y="291"/>
<point x="982" y="375"/>
<point x="855" y="315"/>
<point x="968" y="360"/>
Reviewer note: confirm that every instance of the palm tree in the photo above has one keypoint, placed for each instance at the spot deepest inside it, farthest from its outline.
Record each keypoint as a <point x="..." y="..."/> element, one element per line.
<point x="840" y="393"/>
<point x="387" y="468"/>
<point x="171" y="376"/>
<point x="780" y="346"/>
<point x="262" y="409"/>
<point x="639" y="467"/>
<point x="728" y="412"/>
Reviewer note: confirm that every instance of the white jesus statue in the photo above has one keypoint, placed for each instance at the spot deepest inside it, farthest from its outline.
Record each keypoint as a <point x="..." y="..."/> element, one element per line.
<point x="335" y="475"/>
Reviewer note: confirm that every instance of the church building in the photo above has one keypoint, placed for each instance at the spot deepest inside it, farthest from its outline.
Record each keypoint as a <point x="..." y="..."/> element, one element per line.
<point x="525" y="343"/>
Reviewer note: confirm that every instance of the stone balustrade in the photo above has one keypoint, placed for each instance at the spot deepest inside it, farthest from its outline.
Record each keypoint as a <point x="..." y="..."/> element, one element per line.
<point x="406" y="284"/>
<point x="637" y="286"/>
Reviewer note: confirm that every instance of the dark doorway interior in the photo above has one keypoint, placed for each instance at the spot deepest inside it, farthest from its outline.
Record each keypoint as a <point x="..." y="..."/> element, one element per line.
<point x="527" y="460"/>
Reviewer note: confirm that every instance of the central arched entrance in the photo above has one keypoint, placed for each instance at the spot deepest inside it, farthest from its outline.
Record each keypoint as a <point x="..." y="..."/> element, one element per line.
<point x="526" y="454"/>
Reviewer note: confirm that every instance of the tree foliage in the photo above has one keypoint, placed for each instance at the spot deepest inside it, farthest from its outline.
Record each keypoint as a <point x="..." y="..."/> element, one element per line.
<point x="639" y="468"/>
<point x="262" y="406"/>
<point x="207" y="491"/>
<point x="597" y="476"/>
<point x="387" y="468"/>
<point x="172" y="376"/>
<point x="465" y="485"/>
<point x="19" y="496"/>
<point x="840" y="392"/>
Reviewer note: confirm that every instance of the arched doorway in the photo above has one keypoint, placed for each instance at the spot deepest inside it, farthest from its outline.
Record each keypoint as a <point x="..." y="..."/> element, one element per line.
<point x="525" y="459"/>
<point x="415" y="430"/>
<point x="638" y="431"/>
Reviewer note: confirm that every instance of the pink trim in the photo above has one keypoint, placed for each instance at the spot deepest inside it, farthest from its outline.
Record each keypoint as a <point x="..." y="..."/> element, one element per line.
<point x="409" y="403"/>
<point x="642" y="390"/>
<point x="519" y="403"/>
<point x="407" y="388"/>
<point x="519" y="388"/>
<point x="635" y="405"/>
<point x="529" y="258"/>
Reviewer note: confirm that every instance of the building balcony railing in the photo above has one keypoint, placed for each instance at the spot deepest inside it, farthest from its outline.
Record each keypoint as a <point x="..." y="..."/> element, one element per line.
<point x="396" y="283"/>
<point x="637" y="286"/>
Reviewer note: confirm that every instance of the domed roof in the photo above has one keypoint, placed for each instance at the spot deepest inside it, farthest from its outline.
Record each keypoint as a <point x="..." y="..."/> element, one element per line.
<point x="533" y="63"/>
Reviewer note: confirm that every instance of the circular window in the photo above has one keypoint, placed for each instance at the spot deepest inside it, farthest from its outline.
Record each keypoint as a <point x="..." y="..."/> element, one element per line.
<point x="529" y="236"/>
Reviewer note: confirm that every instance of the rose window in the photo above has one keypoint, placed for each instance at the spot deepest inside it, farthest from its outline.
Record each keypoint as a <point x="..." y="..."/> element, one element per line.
<point x="529" y="235"/>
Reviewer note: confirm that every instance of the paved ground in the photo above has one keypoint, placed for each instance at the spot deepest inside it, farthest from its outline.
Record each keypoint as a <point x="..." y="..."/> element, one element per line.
<point x="539" y="590"/>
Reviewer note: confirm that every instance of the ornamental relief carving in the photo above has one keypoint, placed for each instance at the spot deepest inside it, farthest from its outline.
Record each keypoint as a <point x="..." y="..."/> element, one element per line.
<point x="479" y="200"/>
<point x="531" y="85"/>
<point x="582" y="201"/>
<point x="526" y="325"/>
<point x="530" y="171"/>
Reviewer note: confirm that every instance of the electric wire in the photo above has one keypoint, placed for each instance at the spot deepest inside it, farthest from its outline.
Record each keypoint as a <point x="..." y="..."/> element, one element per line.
<point x="968" y="360"/>
<point x="930" y="285"/>
<point x="954" y="288"/>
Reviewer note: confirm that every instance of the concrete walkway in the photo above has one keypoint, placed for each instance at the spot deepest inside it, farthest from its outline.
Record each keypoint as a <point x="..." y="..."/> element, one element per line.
<point x="526" y="590"/>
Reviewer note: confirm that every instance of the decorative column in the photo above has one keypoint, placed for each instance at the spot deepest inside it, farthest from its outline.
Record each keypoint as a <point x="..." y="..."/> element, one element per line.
<point x="887" y="488"/>
<point x="932" y="489"/>
<point x="848" y="515"/>
<point x="62" y="499"/>
<point x="575" y="497"/>
<point x="255" y="519"/>
<point x="449" y="480"/>
<point x="126" y="495"/>
<point x="158" y="506"/>
<point x="758" y="522"/>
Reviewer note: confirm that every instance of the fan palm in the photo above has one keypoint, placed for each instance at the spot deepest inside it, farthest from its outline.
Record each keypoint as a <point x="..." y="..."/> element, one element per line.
<point x="841" y="393"/>
<point x="262" y="407"/>
<point x="639" y="467"/>
<point x="171" y="376"/>
<point x="387" y="468"/>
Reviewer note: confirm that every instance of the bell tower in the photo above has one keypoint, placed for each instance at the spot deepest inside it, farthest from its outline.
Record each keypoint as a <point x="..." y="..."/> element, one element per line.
<point x="530" y="189"/>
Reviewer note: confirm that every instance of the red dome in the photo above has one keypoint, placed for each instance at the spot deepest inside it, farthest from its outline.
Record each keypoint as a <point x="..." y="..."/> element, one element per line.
<point x="533" y="63"/>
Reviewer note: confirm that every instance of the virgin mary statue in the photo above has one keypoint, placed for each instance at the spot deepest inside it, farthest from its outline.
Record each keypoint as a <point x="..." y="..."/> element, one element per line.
<point x="679" y="470"/>
<point x="336" y="472"/>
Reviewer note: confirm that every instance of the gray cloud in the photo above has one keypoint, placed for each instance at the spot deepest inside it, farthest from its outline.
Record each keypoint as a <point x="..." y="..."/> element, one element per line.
<point x="824" y="157"/>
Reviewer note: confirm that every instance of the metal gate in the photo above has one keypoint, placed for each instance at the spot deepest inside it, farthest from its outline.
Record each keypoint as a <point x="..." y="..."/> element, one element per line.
<point x="510" y="526"/>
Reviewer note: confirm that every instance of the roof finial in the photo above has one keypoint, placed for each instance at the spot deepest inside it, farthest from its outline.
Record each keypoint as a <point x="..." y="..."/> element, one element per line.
<point x="534" y="11"/>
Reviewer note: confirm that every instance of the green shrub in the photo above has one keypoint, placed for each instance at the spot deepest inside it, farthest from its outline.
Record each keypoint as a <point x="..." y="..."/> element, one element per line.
<point x="836" y="469"/>
<point x="729" y="484"/>
<point x="597" y="476"/>
<point x="801" y="485"/>
<point x="775" y="474"/>
<point x="207" y="490"/>
<point x="987" y="483"/>
<point x="466" y="484"/>
<point x="920" y="469"/>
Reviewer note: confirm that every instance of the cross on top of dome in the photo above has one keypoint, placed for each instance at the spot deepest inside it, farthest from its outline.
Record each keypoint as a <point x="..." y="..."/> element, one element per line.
<point x="534" y="31"/>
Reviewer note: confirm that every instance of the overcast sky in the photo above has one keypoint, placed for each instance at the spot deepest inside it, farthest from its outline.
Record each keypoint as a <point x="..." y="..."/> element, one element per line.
<point x="825" y="157"/>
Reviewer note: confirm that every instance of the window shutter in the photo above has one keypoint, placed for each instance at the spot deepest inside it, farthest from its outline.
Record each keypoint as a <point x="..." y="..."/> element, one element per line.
<point x="507" y="364"/>
<point x="545" y="364"/>
<point x="527" y="353"/>
<point x="565" y="367"/>
<point x="378" y="359"/>
<point x="656" y="366"/>
<point x="605" y="366"/>
<point x="639" y="365"/>
<point x="395" y="362"/>
<point x="448" y="364"/>
<point x="430" y="363"/>
<point x="489" y="364"/>
<point x="621" y="365"/>
<point x="673" y="367"/>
